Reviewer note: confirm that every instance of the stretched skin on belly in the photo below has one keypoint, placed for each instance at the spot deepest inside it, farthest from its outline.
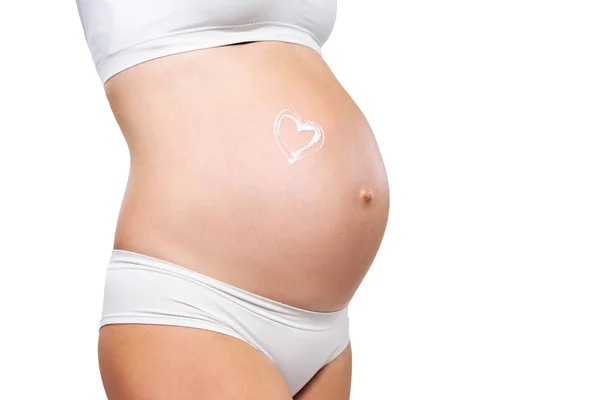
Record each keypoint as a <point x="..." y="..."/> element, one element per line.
<point x="210" y="187"/>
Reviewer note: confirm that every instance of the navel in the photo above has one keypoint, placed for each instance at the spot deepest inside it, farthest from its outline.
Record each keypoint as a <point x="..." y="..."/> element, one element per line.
<point x="366" y="194"/>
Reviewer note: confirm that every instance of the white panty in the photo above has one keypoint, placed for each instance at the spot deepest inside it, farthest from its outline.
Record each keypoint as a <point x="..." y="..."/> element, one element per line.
<point x="145" y="290"/>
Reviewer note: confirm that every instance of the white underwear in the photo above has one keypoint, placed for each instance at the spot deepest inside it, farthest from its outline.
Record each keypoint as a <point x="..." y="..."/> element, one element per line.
<point x="144" y="290"/>
<point x="121" y="34"/>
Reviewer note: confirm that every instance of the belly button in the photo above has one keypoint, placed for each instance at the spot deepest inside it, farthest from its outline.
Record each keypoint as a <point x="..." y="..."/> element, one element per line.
<point x="366" y="194"/>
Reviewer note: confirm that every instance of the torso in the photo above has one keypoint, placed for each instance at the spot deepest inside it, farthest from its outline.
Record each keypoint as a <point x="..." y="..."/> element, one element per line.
<point x="209" y="188"/>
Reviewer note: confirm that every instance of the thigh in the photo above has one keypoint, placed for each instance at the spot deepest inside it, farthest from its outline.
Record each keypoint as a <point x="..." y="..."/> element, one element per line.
<point x="332" y="382"/>
<point x="160" y="362"/>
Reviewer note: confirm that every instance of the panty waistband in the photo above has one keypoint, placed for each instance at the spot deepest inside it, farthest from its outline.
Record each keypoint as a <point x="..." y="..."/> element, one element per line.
<point x="270" y="308"/>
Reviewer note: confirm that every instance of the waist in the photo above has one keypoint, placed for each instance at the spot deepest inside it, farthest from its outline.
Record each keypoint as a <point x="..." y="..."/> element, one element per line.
<point x="217" y="181"/>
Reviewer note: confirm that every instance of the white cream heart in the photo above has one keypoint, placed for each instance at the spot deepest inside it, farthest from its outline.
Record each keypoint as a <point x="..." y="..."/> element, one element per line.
<point x="315" y="144"/>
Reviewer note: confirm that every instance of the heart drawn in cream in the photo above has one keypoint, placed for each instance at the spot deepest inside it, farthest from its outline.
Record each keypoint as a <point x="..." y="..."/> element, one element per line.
<point x="315" y="144"/>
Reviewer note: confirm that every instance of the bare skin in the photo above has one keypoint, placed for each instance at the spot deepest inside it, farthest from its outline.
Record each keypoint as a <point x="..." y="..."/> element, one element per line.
<point x="210" y="190"/>
<point x="155" y="362"/>
<point x="332" y="382"/>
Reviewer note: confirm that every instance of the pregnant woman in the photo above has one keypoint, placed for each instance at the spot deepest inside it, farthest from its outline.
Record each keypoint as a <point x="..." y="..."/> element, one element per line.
<point x="256" y="201"/>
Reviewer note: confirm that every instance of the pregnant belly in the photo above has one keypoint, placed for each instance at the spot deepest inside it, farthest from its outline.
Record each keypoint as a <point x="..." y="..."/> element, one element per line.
<point x="251" y="164"/>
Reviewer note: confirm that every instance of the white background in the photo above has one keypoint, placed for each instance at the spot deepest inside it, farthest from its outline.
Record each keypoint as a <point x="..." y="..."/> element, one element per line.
<point x="488" y="117"/>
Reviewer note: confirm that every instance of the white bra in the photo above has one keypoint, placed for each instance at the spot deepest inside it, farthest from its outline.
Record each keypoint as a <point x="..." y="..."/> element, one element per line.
<point x="123" y="33"/>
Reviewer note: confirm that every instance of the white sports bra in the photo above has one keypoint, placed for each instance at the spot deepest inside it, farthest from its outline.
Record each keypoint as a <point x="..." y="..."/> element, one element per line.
<point x="123" y="33"/>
